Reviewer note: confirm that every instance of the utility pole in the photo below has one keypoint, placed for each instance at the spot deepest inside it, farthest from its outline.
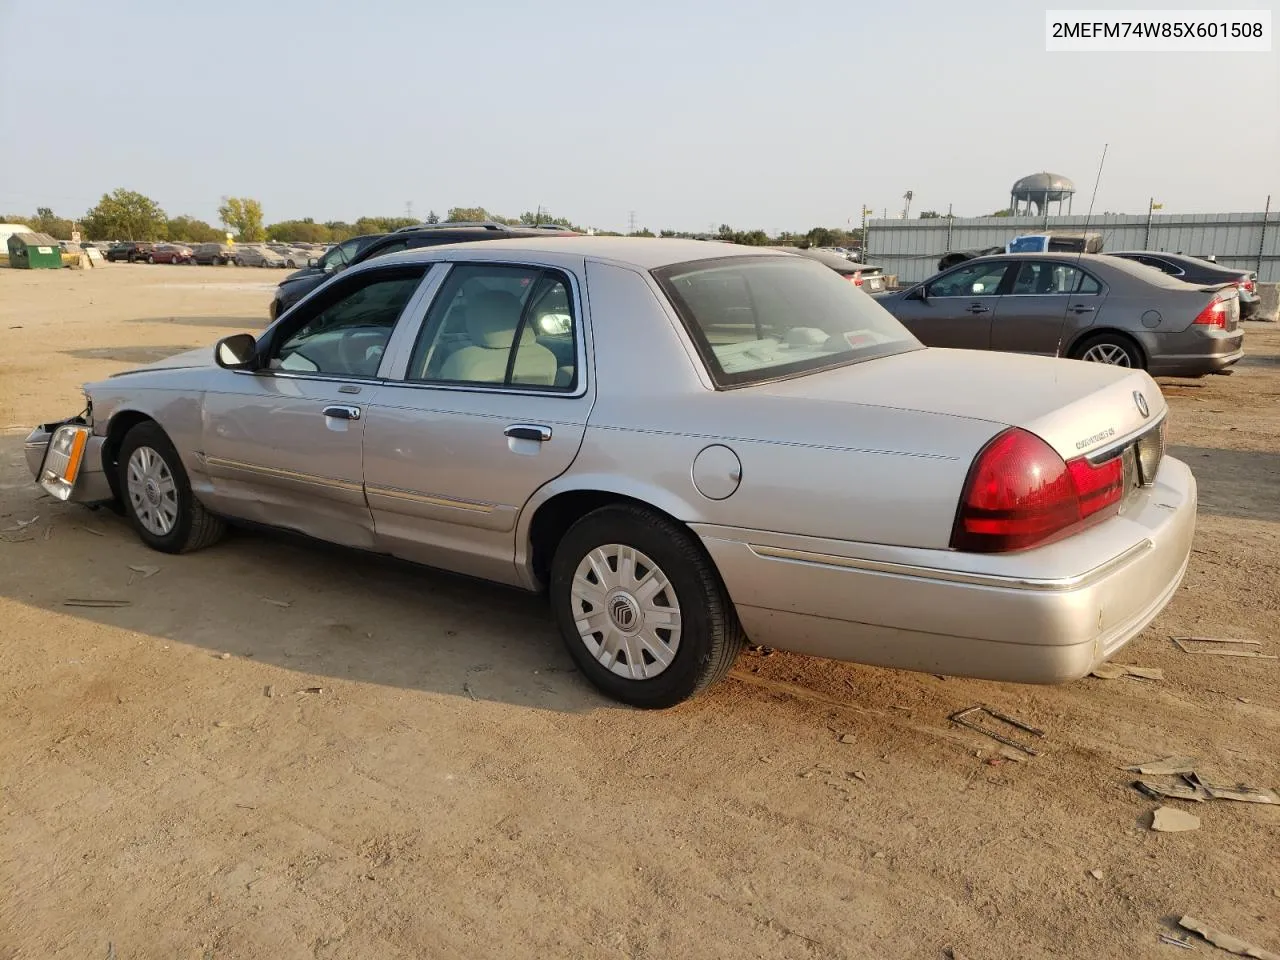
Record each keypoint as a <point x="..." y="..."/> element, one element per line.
<point x="1262" y="238"/>
<point x="1152" y="206"/>
<point x="408" y="209"/>
<point x="631" y="222"/>
<point x="906" y="207"/>
<point x="949" y="225"/>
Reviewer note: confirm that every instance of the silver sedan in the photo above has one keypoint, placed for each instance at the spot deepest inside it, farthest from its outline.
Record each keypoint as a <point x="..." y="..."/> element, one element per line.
<point x="685" y="444"/>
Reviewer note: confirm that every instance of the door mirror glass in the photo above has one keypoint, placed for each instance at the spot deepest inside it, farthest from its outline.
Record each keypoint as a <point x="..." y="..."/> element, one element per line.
<point x="312" y="262"/>
<point x="238" y="352"/>
<point x="918" y="294"/>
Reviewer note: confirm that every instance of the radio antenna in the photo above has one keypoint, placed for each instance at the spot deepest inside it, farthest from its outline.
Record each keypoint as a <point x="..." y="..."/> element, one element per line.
<point x="1084" y="243"/>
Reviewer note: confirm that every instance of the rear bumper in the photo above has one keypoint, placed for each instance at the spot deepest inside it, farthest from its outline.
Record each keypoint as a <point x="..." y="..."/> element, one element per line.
<point x="1076" y="603"/>
<point x="92" y="485"/>
<point x="1194" y="352"/>
<point x="1193" y="366"/>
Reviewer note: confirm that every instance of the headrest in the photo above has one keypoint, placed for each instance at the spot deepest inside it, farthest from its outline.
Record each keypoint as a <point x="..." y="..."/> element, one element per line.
<point x="492" y="317"/>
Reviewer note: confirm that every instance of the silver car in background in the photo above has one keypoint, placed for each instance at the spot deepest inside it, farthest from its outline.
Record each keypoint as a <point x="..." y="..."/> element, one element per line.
<point x="685" y="444"/>
<point x="258" y="255"/>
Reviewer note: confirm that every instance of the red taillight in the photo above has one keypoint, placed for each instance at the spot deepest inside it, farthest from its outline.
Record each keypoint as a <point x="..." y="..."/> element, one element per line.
<point x="856" y="278"/>
<point x="1020" y="493"/>
<point x="1246" y="285"/>
<point x="1214" y="315"/>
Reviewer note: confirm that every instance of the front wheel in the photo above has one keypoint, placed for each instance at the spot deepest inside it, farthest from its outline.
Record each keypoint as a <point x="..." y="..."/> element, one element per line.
<point x="157" y="494"/>
<point x="641" y="608"/>
<point x="1109" y="348"/>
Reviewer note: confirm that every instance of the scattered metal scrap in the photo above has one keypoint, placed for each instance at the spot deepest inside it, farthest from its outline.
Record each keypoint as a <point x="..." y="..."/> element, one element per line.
<point x="89" y="602"/>
<point x="962" y="718"/>
<point x="1164" y="765"/>
<point x="1176" y="942"/>
<point x="1225" y="940"/>
<point x="1181" y="644"/>
<point x="1114" y="671"/>
<point x="1173" y="820"/>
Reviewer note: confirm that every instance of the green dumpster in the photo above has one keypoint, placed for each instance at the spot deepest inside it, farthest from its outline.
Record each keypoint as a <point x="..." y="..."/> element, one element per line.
<point x="34" y="251"/>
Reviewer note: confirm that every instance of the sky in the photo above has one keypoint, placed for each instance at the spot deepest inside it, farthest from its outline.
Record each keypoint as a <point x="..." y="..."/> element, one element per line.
<point x="780" y="116"/>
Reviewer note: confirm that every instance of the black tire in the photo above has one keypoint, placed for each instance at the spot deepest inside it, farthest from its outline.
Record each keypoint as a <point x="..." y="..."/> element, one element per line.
<point x="1111" y="341"/>
<point x="195" y="527"/>
<point x="710" y="635"/>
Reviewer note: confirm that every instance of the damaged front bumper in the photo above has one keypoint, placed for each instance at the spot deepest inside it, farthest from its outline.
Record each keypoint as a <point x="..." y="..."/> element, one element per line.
<point x="65" y="458"/>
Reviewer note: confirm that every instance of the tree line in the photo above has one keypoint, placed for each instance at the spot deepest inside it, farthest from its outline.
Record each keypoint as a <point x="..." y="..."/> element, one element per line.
<point x="129" y="215"/>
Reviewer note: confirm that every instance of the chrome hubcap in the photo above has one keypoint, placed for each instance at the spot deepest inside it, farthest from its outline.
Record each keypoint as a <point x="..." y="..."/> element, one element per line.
<point x="1107" y="353"/>
<point x="626" y="611"/>
<point x="153" y="495"/>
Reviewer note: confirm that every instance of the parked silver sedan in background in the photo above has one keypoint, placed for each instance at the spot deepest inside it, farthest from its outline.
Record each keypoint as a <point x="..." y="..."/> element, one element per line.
<point x="1083" y="306"/>
<point x="258" y="255"/>
<point x="686" y="444"/>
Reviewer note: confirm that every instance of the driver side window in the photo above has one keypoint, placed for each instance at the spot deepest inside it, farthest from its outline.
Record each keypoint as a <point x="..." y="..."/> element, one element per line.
<point x="349" y="334"/>
<point x="971" y="280"/>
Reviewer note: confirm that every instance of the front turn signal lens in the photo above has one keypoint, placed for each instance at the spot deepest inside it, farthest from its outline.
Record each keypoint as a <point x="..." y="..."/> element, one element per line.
<point x="63" y="459"/>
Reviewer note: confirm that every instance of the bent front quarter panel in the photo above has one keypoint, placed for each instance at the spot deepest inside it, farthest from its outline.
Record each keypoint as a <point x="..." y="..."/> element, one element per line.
<point x="172" y="397"/>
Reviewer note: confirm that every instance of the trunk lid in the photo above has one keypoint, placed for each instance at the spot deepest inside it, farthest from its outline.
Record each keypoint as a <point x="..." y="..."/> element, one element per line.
<point x="1077" y="408"/>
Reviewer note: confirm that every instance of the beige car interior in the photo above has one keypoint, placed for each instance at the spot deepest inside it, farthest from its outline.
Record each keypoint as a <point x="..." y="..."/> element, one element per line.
<point x="491" y="322"/>
<point x="475" y="340"/>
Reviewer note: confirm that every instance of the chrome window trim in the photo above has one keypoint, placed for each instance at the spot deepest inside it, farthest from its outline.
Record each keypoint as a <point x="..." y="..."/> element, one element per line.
<point x="1035" y="584"/>
<point x="395" y="376"/>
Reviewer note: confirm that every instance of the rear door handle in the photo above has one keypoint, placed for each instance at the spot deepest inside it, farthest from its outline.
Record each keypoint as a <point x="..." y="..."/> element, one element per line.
<point x="342" y="412"/>
<point x="978" y="308"/>
<point x="528" y="431"/>
<point x="1081" y="308"/>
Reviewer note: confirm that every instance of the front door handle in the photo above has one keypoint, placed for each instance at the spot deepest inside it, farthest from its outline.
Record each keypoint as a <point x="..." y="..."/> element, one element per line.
<point x="528" y="431"/>
<point x="978" y="308"/>
<point x="342" y="412"/>
<point x="1081" y="308"/>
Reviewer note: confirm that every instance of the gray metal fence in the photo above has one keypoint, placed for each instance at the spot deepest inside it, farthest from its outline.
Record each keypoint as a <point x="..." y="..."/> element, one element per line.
<point x="1247" y="241"/>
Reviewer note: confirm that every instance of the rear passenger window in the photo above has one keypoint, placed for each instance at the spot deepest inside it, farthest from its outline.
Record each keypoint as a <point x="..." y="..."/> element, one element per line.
<point x="499" y="325"/>
<point x="1088" y="284"/>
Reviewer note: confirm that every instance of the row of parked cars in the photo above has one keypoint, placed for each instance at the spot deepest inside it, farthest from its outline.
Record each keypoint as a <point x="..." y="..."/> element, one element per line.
<point x="283" y="256"/>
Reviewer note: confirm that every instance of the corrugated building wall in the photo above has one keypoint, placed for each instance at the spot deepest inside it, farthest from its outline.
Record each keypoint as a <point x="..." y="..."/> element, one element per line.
<point x="911" y="248"/>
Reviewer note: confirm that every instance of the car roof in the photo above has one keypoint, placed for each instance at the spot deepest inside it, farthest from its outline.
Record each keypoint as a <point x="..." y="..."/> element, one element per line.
<point x="644" y="253"/>
<point x="1111" y="268"/>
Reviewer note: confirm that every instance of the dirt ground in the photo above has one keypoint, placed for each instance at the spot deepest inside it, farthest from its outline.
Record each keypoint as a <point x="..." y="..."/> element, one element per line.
<point x="450" y="787"/>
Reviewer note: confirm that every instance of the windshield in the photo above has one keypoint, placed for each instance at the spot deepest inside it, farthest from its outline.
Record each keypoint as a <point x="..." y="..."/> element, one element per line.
<point x="761" y="318"/>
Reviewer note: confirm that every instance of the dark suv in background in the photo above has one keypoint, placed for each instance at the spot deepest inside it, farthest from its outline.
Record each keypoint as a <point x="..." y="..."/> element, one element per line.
<point x="358" y="249"/>
<point x="130" y="251"/>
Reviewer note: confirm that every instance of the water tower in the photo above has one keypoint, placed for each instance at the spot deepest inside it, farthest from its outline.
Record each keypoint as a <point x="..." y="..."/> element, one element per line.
<point x="1032" y="195"/>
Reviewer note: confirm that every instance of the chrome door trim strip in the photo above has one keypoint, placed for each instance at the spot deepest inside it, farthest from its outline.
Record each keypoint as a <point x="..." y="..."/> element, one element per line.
<point x="395" y="493"/>
<point x="281" y="474"/>
<point x="1056" y="584"/>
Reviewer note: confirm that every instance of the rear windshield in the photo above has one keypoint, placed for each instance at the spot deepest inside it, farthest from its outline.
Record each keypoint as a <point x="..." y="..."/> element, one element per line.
<point x="762" y="318"/>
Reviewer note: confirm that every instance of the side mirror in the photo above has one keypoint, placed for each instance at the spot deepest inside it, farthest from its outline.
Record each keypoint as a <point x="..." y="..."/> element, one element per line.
<point x="918" y="294"/>
<point x="237" y="352"/>
<point x="312" y="262"/>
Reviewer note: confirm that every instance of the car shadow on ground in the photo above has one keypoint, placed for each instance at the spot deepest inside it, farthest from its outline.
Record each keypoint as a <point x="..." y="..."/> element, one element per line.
<point x="138" y="354"/>
<point x="1235" y="483"/>
<point x="230" y="323"/>
<point x="324" y="612"/>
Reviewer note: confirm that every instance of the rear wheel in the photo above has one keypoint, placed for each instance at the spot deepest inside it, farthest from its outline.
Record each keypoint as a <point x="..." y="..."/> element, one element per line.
<point x="157" y="494"/>
<point x="641" y="608"/>
<point x="1109" y="348"/>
